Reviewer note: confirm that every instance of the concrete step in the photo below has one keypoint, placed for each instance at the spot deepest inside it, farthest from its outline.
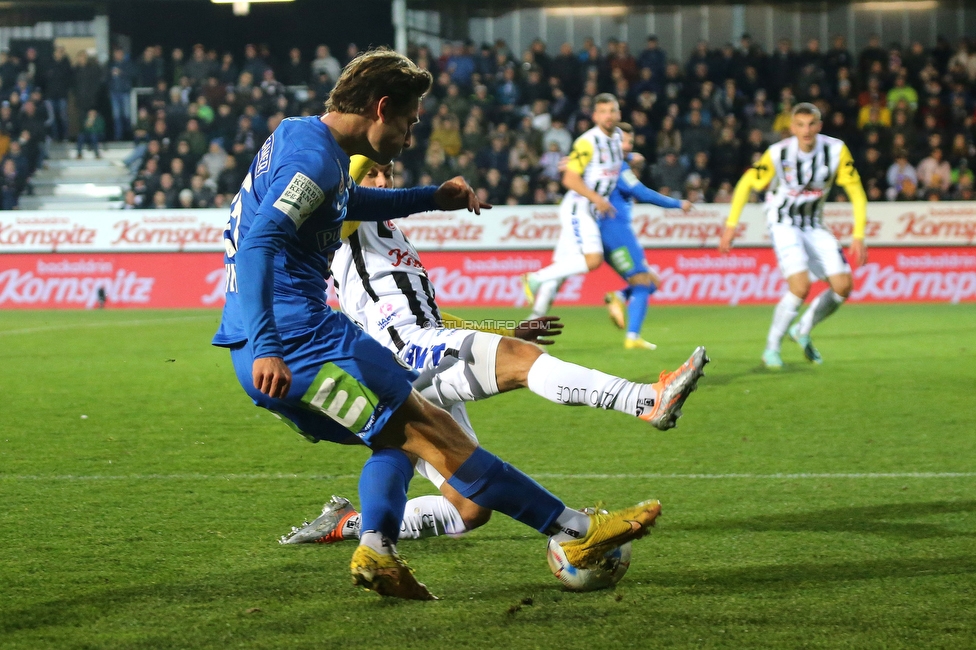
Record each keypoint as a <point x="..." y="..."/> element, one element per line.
<point x="65" y="203"/>
<point x="79" y="189"/>
<point x="102" y="174"/>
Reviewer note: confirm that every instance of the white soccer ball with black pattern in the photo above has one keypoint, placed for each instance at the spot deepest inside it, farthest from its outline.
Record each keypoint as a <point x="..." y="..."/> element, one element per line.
<point x="606" y="573"/>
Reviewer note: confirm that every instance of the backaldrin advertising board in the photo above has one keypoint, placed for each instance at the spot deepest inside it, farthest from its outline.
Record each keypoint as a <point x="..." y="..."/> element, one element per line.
<point x="918" y="252"/>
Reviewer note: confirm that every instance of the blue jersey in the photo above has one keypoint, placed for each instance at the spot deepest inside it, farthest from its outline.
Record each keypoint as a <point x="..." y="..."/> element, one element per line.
<point x="629" y="188"/>
<point x="620" y="246"/>
<point x="283" y="229"/>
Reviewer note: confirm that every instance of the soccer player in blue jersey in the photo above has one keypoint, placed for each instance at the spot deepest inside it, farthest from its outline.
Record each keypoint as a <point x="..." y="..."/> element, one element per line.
<point x="624" y="253"/>
<point x="315" y="369"/>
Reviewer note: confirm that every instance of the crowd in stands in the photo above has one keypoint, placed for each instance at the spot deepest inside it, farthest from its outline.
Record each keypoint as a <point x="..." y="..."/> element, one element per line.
<point x="504" y="121"/>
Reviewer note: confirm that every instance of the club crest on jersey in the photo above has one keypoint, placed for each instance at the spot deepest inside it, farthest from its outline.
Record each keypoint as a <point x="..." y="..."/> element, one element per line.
<point x="390" y="225"/>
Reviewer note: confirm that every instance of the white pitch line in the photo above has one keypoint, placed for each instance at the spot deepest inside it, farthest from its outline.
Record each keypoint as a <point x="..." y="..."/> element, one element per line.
<point x="327" y="477"/>
<point x="119" y="323"/>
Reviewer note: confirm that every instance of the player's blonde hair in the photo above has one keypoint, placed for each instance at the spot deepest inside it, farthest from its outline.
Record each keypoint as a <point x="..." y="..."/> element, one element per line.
<point x="374" y="74"/>
<point x="806" y="108"/>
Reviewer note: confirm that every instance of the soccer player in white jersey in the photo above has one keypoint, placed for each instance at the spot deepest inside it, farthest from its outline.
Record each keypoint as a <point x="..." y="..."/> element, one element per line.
<point x="383" y="286"/>
<point x="591" y="175"/>
<point x="800" y="172"/>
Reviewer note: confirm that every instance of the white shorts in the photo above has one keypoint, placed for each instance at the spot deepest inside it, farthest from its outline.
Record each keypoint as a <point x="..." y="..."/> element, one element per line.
<point x="580" y="233"/>
<point x="464" y="374"/>
<point x="812" y="250"/>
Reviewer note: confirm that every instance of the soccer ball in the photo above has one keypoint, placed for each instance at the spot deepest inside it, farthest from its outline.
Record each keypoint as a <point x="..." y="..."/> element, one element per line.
<point x="606" y="573"/>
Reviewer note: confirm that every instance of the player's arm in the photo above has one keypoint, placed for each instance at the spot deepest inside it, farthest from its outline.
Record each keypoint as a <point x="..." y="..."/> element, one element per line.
<point x="631" y="187"/>
<point x="757" y="178"/>
<point x="850" y="180"/>
<point x="375" y="204"/>
<point x="579" y="158"/>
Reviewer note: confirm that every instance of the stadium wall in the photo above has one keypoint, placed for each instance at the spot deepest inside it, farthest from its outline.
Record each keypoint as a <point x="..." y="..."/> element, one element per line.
<point x="172" y="258"/>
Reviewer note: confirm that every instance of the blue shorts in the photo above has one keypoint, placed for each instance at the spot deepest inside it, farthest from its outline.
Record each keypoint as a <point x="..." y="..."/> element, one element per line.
<point x="345" y="385"/>
<point x="620" y="247"/>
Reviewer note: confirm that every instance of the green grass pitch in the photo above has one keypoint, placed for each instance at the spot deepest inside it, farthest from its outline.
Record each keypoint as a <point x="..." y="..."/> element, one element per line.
<point x="834" y="506"/>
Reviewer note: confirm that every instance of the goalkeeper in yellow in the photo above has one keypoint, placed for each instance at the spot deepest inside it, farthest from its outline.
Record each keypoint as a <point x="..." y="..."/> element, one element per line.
<point x="800" y="172"/>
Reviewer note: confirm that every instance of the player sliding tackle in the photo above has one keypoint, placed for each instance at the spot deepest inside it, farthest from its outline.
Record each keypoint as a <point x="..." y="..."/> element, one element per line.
<point x="313" y="367"/>
<point x="805" y="168"/>
<point x="383" y="286"/>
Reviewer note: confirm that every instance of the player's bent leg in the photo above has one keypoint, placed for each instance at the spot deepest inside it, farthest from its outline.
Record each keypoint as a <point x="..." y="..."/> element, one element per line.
<point x="593" y="261"/>
<point x="822" y="306"/>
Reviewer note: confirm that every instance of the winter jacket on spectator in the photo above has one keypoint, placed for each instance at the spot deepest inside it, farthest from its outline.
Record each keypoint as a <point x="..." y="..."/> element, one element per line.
<point x="653" y="57"/>
<point x="695" y="137"/>
<point x="58" y="77"/>
<point x="120" y="76"/>
<point x="8" y="74"/>
<point x="668" y="172"/>
<point x="87" y="82"/>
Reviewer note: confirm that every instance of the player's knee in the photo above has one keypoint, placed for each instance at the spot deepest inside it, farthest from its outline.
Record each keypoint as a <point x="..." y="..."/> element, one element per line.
<point x="842" y="285"/>
<point x="641" y="280"/>
<point x="513" y="361"/>
<point x="799" y="286"/>
<point x="593" y="261"/>
<point x="473" y="515"/>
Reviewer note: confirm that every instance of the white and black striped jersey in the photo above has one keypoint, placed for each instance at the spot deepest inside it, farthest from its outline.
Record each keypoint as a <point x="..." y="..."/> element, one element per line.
<point x="800" y="181"/>
<point x="382" y="284"/>
<point x="597" y="158"/>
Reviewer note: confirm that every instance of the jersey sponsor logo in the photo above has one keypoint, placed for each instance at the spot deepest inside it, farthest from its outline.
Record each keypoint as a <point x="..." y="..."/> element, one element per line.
<point x="417" y="357"/>
<point x="328" y="238"/>
<point x="338" y="395"/>
<point x="264" y="157"/>
<point x="389" y="316"/>
<point x="399" y="257"/>
<point x="300" y="199"/>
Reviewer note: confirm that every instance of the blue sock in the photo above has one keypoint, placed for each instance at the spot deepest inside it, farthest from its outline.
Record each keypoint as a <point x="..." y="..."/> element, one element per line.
<point x="637" y="307"/>
<point x="383" y="491"/>
<point x="491" y="483"/>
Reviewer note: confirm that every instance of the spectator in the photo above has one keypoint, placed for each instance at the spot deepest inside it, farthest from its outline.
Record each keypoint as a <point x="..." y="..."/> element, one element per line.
<point x="934" y="173"/>
<point x="120" y="77"/>
<point x="325" y="63"/>
<point x="446" y="133"/>
<point x="9" y="186"/>
<point x="87" y="82"/>
<point x="91" y="132"/>
<point x="902" y="91"/>
<point x="696" y="136"/>
<point x="57" y="85"/>
<point x="668" y="172"/>
<point x="902" y="179"/>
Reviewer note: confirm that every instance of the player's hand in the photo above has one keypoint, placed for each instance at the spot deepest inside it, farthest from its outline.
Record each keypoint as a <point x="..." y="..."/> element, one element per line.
<point x="271" y="376"/>
<point x="686" y="205"/>
<point x="456" y="194"/>
<point x="858" y="252"/>
<point x="725" y="243"/>
<point x="603" y="207"/>
<point x="636" y="158"/>
<point x="537" y="330"/>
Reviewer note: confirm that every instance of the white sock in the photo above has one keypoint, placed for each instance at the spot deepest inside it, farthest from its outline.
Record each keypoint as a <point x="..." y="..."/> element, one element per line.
<point x="562" y="269"/>
<point x="567" y="383"/>
<point x="427" y="516"/>
<point x="822" y="306"/>
<point x="783" y="316"/>
<point x="430" y="516"/>
<point x="571" y="524"/>
<point x="544" y="296"/>
<point x="377" y="542"/>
